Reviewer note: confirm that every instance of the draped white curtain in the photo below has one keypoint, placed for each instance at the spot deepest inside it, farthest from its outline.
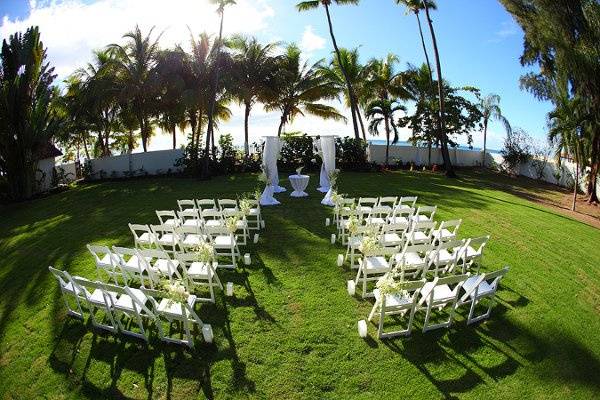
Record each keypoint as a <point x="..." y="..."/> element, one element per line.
<point x="326" y="145"/>
<point x="270" y="155"/>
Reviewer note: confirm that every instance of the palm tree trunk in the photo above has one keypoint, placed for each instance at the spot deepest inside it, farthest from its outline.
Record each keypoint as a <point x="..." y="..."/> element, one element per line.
<point x="441" y="134"/>
<point x="246" y="135"/>
<point x="387" y="142"/>
<point x="362" y="124"/>
<point x="174" y="137"/>
<point x="576" y="186"/>
<point x="85" y="147"/>
<point x="281" y="125"/>
<point x="213" y="100"/>
<point x="424" y="47"/>
<point x="485" y="127"/>
<point x="348" y="83"/>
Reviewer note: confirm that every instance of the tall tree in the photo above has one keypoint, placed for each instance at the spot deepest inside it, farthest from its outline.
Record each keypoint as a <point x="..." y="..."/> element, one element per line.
<point x="490" y="109"/>
<point x="415" y="7"/>
<point x="136" y="63"/>
<point x="443" y="138"/>
<point x="383" y="111"/>
<point x="562" y="37"/>
<point x="28" y="120"/>
<point x="312" y="4"/>
<point x="300" y="89"/>
<point x="214" y="85"/>
<point x="252" y="74"/>
<point x="171" y="107"/>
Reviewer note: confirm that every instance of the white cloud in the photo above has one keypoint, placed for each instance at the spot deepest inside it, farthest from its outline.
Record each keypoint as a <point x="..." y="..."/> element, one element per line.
<point x="311" y="42"/>
<point x="507" y="29"/>
<point x="71" y="29"/>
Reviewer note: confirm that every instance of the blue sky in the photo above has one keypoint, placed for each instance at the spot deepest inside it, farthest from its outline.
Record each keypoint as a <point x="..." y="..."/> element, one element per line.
<point x="479" y="43"/>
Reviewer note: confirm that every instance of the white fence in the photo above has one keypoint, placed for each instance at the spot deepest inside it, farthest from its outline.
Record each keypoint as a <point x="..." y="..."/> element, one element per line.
<point x="150" y="163"/>
<point x="420" y="155"/>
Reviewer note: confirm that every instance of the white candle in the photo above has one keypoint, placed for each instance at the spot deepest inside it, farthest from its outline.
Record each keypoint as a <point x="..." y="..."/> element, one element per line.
<point x="255" y="238"/>
<point x="351" y="287"/>
<point x="362" y="328"/>
<point x="262" y="224"/>
<point x="229" y="289"/>
<point x="247" y="259"/>
<point x="207" y="333"/>
<point x="327" y="222"/>
<point x="340" y="260"/>
<point x="333" y="238"/>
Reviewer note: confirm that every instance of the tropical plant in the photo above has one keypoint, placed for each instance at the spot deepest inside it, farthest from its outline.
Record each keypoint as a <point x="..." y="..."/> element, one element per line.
<point x="300" y="88"/>
<point x="312" y="4"/>
<point x="516" y="151"/>
<point x="136" y="63"/>
<point x="252" y="75"/>
<point x="28" y="117"/>
<point x="171" y="107"/>
<point x="490" y="109"/>
<point x="383" y="111"/>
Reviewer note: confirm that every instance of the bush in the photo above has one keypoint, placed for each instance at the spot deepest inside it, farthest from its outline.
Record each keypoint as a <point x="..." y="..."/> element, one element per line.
<point x="516" y="151"/>
<point x="351" y="154"/>
<point x="297" y="151"/>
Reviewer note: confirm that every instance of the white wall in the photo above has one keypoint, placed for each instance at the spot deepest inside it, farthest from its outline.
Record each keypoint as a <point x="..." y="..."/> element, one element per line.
<point x="420" y="155"/>
<point x="44" y="178"/>
<point x="152" y="162"/>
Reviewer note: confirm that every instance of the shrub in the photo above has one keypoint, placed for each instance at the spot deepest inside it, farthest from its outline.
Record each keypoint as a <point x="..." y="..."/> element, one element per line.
<point x="516" y="151"/>
<point x="351" y="154"/>
<point x="297" y="151"/>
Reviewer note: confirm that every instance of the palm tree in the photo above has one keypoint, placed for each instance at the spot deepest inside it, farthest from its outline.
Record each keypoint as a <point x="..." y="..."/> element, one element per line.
<point x="356" y="74"/>
<point x="383" y="81"/>
<point x="441" y="99"/>
<point x="312" y="4"/>
<point x="253" y="72"/>
<point x="28" y="117"/>
<point x="379" y="111"/>
<point x="77" y="113"/>
<point x="214" y="84"/>
<point x="416" y="6"/>
<point x="136" y="63"/>
<point x="490" y="108"/>
<point x="300" y="88"/>
<point x="171" y="113"/>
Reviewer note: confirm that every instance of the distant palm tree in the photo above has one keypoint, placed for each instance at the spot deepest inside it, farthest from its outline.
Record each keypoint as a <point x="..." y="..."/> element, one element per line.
<point x="214" y="85"/>
<point x="300" y="88"/>
<point x="442" y="137"/>
<point x="312" y="4"/>
<point x="490" y="108"/>
<point x="383" y="111"/>
<point x="252" y="73"/>
<point x="136" y="63"/>
<point x="171" y="112"/>
<point x="356" y="74"/>
<point x="416" y="6"/>
<point x="383" y="81"/>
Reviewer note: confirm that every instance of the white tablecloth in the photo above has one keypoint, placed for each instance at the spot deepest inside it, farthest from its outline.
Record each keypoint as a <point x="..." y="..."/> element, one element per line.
<point x="299" y="183"/>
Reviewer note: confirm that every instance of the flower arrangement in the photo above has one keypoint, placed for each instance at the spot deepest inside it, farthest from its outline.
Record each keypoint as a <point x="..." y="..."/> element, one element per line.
<point x="257" y="194"/>
<point x="231" y="223"/>
<point x="333" y="177"/>
<point x="299" y="171"/>
<point x="387" y="285"/>
<point x="369" y="244"/>
<point x="353" y="225"/>
<point x="205" y="252"/>
<point x="175" y="291"/>
<point x="245" y="205"/>
<point x="264" y="176"/>
<point x="337" y="198"/>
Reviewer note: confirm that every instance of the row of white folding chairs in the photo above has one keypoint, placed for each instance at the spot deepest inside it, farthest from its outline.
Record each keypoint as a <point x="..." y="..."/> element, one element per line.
<point x="417" y="261"/>
<point x="255" y="220"/>
<point x="441" y="294"/>
<point x="184" y="239"/>
<point x="150" y="267"/>
<point x="108" y="304"/>
<point x="398" y="234"/>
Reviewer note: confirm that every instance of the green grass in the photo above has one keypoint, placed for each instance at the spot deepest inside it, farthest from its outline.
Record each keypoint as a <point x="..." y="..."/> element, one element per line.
<point x="290" y="331"/>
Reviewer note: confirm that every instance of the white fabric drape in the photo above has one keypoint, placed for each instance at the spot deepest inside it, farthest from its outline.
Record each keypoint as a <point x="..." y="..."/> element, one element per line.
<point x="270" y="155"/>
<point x="267" y="199"/>
<point x="327" y="147"/>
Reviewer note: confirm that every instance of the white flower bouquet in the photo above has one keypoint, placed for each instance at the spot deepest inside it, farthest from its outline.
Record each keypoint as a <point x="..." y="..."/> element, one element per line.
<point x="245" y="205"/>
<point x="175" y="291"/>
<point x="387" y="285"/>
<point x="231" y="223"/>
<point x="204" y="252"/>
<point x="333" y="177"/>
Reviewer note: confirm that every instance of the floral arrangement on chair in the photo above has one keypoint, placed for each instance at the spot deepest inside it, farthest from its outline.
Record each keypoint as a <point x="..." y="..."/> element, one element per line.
<point x="204" y="252"/>
<point x="231" y="223"/>
<point x="353" y="224"/>
<point x="245" y="205"/>
<point x="333" y="177"/>
<point x="263" y="177"/>
<point x="387" y="285"/>
<point x="175" y="291"/>
<point x="369" y="244"/>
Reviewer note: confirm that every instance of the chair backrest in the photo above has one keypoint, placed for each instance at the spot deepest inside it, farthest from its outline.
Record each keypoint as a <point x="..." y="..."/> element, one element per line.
<point x="167" y="216"/>
<point x="398" y="227"/>
<point x="137" y="304"/>
<point x="62" y="277"/>
<point x="186" y="205"/>
<point x="99" y="253"/>
<point x="389" y="201"/>
<point x="451" y="225"/>
<point x="206" y="204"/>
<point x="151" y="256"/>
<point x="368" y="201"/>
<point x="428" y="211"/>
<point x="423" y="226"/>
<point x="491" y="278"/>
<point x="189" y="214"/>
<point x="87" y="287"/>
<point x="211" y="213"/>
<point x="217" y="230"/>
<point x="478" y="243"/>
<point x="382" y="252"/>
<point x="408" y="201"/>
<point x="185" y="230"/>
<point x="124" y="254"/>
<point x="227" y="203"/>
<point x="138" y="230"/>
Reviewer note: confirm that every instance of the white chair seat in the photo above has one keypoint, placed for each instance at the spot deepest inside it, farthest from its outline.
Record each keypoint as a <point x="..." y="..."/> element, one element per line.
<point x="444" y="256"/>
<point x="471" y="252"/>
<point x="354" y="241"/>
<point x="441" y="293"/>
<point x="224" y="241"/>
<point x="398" y="220"/>
<point x="253" y="212"/>
<point x="71" y="289"/>
<point x="392" y="300"/>
<point x="195" y="223"/>
<point x="173" y="308"/>
<point x="192" y="240"/>
<point x="241" y="224"/>
<point x="364" y="209"/>
<point x="410" y="259"/>
<point x="97" y="298"/>
<point x="384" y="209"/>
<point x="105" y="261"/>
<point x="484" y="287"/>
<point x="391" y="239"/>
<point x="162" y="266"/>
<point x="133" y="265"/>
<point x="213" y="222"/>
<point x="145" y="238"/>
<point x="444" y="235"/>
<point x="419" y="236"/>
<point x="171" y="222"/>
<point x="167" y="239"/>
<point x="376" y="264"/>
<point x="420" y="218"/>
<point x="377" y="221"/>
<point x="198" y="270"/>
<point x="126" y="303"/>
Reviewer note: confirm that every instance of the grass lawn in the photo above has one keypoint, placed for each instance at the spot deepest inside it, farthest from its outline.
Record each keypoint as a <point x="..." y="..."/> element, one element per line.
<point x="290" y="331"/>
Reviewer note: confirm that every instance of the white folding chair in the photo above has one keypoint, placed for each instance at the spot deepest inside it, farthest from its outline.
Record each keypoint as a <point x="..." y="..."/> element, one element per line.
<point x="392" y="235"/>
<point x="166" y="238"/>
<point x="366" y="204"/>
<point x="373" y="265"/>
<point x="254" y="216"/>
<point x="206" y="204"/>
<point x="444" y="257"/>
<point x="69" y="290"/>
<point x="407" y="202"/>
<point x="378" y="215"/>
<point x="190" y="218"/>
<point x="160" y="265"/>
<point x="344" y="217"/>
<point x="168" y="218"/>
<point x="440" y="294"/>
<point x="212" y="217"/>
<point x="241" y="224"/>
<point x="190" y="237"/>
<point x="401" y="215"/>
<point x="420" y="232"/>
<point x="200" y="274"/>
<point x="186" y="205"/>
<point x="424" y="213"/>
<point x="97" y="299"/>
<point x="225" y="244"/>
<point x="447" y="230"/>
<point x="168" y="311"/>
<point x="401" y="303"/>
<point x="227" y="204"/>
<point x="355" y="239"/>
<point x="132" y="265"/>
<point x="142" y="236"/>
<point x="479" y="287"/>
<point x="473" y="254"/>
<point x="388" y="203"/>
<point x="133" y="305"/>
<point x="412" y="260"/>
<point x="106" y="262"/>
